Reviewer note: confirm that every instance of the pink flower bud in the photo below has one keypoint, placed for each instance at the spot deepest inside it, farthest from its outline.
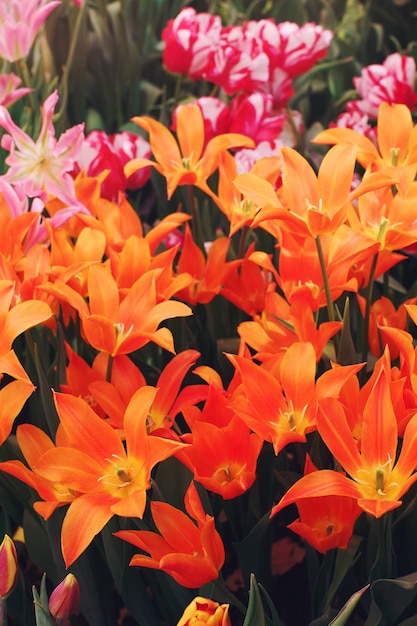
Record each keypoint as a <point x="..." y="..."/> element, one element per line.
<point x="8" y="567"/>
<point x="65" y="598"/>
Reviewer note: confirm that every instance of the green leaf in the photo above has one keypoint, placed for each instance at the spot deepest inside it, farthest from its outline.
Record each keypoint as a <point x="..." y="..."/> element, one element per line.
<point x="390" y="598"/>
<point x="46" y="396"/>
<point x="172" y="490"/>
<point x="254" y="551"/>
<point x="343" y="563"/>
<point x="274" y="615"/>
<point x="42" y="614"/>
<point x="97" y="597"/>
<point x="129" y="580"/>
<point x="346" y="353"/>
<point x="410" y="621"/>
<point x="255" y="614"/>
<point x="39" y="546"/>
<point x="347" y="610"/>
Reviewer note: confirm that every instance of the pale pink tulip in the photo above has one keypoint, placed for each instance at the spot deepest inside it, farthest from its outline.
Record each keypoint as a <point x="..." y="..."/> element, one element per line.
<point x="42" y="167"/>
<point x="8" y="89"/>
<point x="20" y="21"/>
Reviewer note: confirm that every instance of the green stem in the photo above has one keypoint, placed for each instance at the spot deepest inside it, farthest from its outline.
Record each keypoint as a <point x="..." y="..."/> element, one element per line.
<point x="330" y="307"/>
<point x="384" y="563"/>
<point x="3" y="612"/>
<point x="109" y="368"/>
<point x="196" y="224"/>
<point x="369" y="292"/>
<point x="294" y="128"/>
<point x="242" y="242"/>
<point x="70" y="60"/>
<point x="177" y="91"/>
<point x="24" y="74"/>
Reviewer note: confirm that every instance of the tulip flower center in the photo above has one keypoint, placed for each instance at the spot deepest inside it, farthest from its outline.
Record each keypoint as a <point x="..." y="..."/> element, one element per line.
<point x="246" y="207"/>
<point x="289" y="416"/>
<point x="313" y="207"/>
<point x="394" y="155"/>
<point x="122" y="475"/>
<point x="119" y="329"/>
<point x="378" y="479"/>
<point x="187" y="163"/>
<point x="292" y="420"/>
<point x="228" y="473"/>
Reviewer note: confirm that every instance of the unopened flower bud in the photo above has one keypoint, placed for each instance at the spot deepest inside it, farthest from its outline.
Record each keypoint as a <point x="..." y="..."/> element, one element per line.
<point x="65" y="598"/>
<point x="8" y="567"/>
<point x="205" y="612"/>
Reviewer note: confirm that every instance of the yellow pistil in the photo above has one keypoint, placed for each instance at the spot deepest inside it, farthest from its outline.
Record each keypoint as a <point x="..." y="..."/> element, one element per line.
<point x="394" y="156"/>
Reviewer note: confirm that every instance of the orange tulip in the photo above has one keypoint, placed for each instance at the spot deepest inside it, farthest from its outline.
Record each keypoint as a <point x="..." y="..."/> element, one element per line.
<point x="385" y="218"/>
<point x="241" y="210"/>
<point x="208" y="274"/>
<point x="384" y="313"/>
<point x="280" y="405"/>
<point x="396" y="155"/>
<point x="377" y="479"/>
<point x="120" y="326"/>
<point x="300" y="272"/>
<point x="326" y="522"/>
<point x="216" y="410"/>
<point x="248" y="285"/>
<point x="191" y="553"/>
<point x="14" y="320"/>
<point x="313" y="204"/>
<point x="306" y="204"/>
<point x="280" y="325"/>
<point x="90" y="459"/>
<point x="34" y="442"/>
<point x="113" y="397"/>
<point x="185" y="162"/>
<point x="223" y="459"/>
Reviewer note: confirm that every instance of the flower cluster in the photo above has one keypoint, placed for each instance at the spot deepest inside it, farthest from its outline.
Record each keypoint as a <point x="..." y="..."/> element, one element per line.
<point x="168" y="390"/>
<point x="256" y="56"/>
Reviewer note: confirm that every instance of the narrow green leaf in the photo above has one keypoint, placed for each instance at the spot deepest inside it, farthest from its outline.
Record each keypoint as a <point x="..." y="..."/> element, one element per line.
<point x="346" y="352"/>
<point x="129" y="581"/>
<point x="255" y="614"/>
<point x="255" y="549"/>
<point x="347" y="610"/>
<point x="410" y="621"/>
<point x="42" y="614"/>
<point x="46" y="395"/>
<point x="274" y="614"/>
<point x="343" y="563"/>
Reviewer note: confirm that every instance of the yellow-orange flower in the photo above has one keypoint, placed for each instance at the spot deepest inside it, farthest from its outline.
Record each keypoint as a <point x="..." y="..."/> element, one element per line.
<point x="205" y="611"/>
<point x="185" y="162"/>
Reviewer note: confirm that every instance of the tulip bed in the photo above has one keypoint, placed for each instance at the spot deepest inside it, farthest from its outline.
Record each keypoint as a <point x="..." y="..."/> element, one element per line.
<point x="208" y="309"/>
